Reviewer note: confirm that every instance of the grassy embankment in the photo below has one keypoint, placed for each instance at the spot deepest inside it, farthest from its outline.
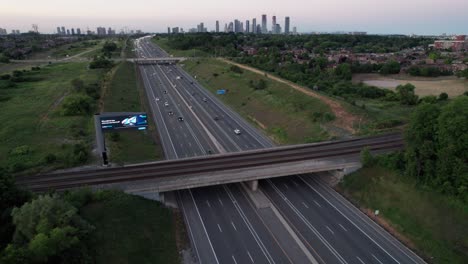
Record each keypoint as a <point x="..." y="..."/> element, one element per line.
<point x="33" y="126"/>
<point x="124" y="95"/>
<point x="162" y="42"/>
<point x="435" y="224"/>
<point x="73" y="49"/>
<point x="130" y="229"/>
<point x="285" y="114"/>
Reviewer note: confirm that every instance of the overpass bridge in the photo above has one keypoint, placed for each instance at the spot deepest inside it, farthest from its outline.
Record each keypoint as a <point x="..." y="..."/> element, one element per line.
<point x="159" y="60"/>
<point x="209" y="170"/>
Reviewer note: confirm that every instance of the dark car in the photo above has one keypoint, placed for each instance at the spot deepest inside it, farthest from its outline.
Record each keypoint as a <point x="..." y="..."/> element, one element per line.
<point x="180" y="118"/>
<point x="205" y="100"/>
<point x="171" y="113"/>
<point x="216" y="118"/>
<point x="165" y="92"/>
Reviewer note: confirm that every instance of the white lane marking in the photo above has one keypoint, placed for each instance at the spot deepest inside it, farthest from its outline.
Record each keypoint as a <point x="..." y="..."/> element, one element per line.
<point x="329" y="229"/>
<point x="305" y="205"/>
<point x="219" y="227"/>
<point x="188" y="224"/>
<point x="203" y="224"/>
<point x="360" y="260"/>
<point x="233" y="226"/>
<point x="251" y="259"/>
<point x="233" y="258"/>
<point x="221" y="202"/>
<point x="295" y="183"/>
<point x="377" y="259"/>
<point x="343" y="228"/>
<point x="208" y="203"/>
<point x="317" y="203"/>
<point x="308" y="224"/>
<point x="330" y="203"/>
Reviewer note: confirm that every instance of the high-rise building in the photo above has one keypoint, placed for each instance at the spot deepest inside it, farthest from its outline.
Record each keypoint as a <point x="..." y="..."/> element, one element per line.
<point x="254" y="26"/>
<point x="225" y="27"/>
<point x="3" y="31"/>
<point x="78" y="31"/>
<point x="217" y="26"/>
<point x="175" y="30"/>
<point x="286" y="25"/>
<point x="294" y="30"/>
<point x="101" y="31"/>
<point x="73" y="31"/>
<point x="278" y="29"/>
<point x="68" y="32"/>
<point x="58" y="31"/>
<point x="63" y="31"/>
<point x="259" y="29"/>
<point x="109" y="31"/>
<point x="168" y="30"/>
<point x="273" y="24"/>
<point x="247" y="26"/>
<point x="231" y="27"/>
<point x="264" y="24"/>
<point x="236" y="26"/>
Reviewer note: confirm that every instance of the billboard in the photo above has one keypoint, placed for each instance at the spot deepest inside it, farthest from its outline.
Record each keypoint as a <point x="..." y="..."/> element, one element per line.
<point x="221" y="92"/>
<point x="135" y="121"/>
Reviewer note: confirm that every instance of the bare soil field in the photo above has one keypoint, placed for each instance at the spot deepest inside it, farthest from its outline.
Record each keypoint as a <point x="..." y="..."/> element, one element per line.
<point x="451" y="85"/>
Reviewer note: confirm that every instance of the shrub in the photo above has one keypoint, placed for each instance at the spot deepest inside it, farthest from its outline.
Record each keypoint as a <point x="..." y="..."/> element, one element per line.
<point x="77" y="84"/>
<point x="443" y="97"/>
<point x="100" y="62"/>
<point x="236" y="69"/>
<point x="5" y="77"/>
<point x="50" y="158"/>
<point x="77" y="105"/>
<point x="367" y="160"/>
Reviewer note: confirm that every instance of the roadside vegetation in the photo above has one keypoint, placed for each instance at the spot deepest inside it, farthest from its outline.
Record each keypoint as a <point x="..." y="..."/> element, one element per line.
<point x="422" y="193"/>
<point x="283" y="113"/>
<point x="124" y="94"/>
<point x="164" y="44"/>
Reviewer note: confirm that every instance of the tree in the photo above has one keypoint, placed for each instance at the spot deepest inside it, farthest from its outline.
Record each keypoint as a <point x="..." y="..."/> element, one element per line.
<point x="406" y="94"/>
<point x="77" y="105"/>
<point x="78" y="84"/>
<point x="343" y="71"/>
<point x="421" y="152"/>
<point x="48" y="226"/>
<point x="443" y="97"/>
<point x="391" y="67"/>
<point x="452" y="169"/>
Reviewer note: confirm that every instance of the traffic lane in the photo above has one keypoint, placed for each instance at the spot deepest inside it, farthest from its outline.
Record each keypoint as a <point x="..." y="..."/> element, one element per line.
<point x="234" y="119"/>
<point x="244" y="141"/>
<point x="202" y="247"/>
<point x="359" y="220"/>
<point x="347" y="240"/>
<point x="199" y="132"/>
<point x="266" y="236"/>
<point x="308" y="235"/>
<point x="161" y="126"/>
<point x="223" y="221"/>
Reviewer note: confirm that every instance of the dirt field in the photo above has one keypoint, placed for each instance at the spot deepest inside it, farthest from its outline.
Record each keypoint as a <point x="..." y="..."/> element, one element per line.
<point x="424" y="85"/>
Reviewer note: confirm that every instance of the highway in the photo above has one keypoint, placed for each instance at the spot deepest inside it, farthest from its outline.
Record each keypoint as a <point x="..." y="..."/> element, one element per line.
<point x="222" y="223"/>
<point x="224" y="226"/>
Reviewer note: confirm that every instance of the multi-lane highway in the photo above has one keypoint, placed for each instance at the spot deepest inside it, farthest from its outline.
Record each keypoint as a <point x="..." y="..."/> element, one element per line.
<point x="224" y="225"/>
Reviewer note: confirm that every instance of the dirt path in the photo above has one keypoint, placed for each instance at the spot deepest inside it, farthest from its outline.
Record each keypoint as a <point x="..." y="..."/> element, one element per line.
<point x="344" y="119"/>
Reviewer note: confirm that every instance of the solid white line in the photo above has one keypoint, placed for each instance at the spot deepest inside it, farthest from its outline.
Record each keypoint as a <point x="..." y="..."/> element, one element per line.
<point x="329" y="229"/>
<point x="348" y="219"/>
<point x="287" y="187"/>
<point x="343" y="228"/>
<point x="208" y="203"/>
<point x="221" y="202"/>
<point x="219" y="227"/>
<point x="233" y="226"/>
<point x="377" y="259"/>
<point x="305" y="205"/>
<point x="251" y="259"/>
<point x="360" y="260"/>
<point x="233" y="258"/>
<point x="189" y="227"/>
<point x="203" y="224"/>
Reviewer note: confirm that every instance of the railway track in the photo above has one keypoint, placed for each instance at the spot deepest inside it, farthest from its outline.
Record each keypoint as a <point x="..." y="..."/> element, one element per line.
<point x="210" y="164"/>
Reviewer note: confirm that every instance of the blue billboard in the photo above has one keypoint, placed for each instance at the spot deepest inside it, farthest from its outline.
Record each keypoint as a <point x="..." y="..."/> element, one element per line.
<point x="136" y="121"/>
<point x="221" y="91"/>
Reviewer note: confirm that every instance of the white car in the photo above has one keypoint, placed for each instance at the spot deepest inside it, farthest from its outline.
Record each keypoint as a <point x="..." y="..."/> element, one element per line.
<point x="166" y="104"/>
<point x="237" y="131"/>
<point x="178" y="78"/>
<point x="157" y="99"/>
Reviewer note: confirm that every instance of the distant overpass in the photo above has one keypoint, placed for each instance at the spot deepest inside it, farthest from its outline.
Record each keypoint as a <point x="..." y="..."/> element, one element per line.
<point x="161" y="60"/>
<point x="218" y="169"/>
<point x="141" y="61"/>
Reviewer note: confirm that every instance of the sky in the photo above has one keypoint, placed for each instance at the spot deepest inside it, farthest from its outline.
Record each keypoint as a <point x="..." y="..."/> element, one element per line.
<point x="422" y="17"/>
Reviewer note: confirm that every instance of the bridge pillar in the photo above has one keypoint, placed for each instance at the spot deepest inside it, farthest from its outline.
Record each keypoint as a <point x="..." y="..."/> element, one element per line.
<point x="253" y="185"/>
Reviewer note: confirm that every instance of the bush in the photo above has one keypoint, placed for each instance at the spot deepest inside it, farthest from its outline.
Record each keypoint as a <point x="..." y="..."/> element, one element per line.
<point x="236" y="69"/>
<point x="443" y="97"/>
<point x="77" y="105"/>
<point x="5" y="77"/>
<point x="100" y="62"/>
<point x="77" y="84"/>
<point x="367" y="160"/>
<point x="430" y="99"/>
<point x="50" y="158"/>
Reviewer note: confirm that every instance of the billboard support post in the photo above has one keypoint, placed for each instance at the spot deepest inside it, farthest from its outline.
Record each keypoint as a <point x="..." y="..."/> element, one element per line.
<point x="100" y="141"/>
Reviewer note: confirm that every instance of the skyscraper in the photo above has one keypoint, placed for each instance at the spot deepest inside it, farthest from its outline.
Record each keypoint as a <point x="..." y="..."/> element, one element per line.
<point x="236" y="26"/>
<point x="78" y="31"/>
<point x="259" y="29"/>
<point x="63" y="31"/>
<point x="273" y="24"/>
<point x="73" y="31"/>
<point x="58" y="31"/>
<point x="254" y="26"/>
<point x="217" y="26"/>
<point x="247" y="26"/>
<point x="231" y="27"/>
<point x="168" y="30"/>
<point x="264" y="24"/>
<point x="286" y="25"/>
<point x="101" y="31"/>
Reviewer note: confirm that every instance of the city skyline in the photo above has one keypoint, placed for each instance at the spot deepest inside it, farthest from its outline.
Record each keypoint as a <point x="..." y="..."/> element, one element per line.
<point x="430" y="17"/>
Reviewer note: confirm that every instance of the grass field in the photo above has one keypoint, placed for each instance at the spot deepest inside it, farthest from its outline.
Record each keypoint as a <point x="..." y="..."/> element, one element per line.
<point x="130" y="229"/>
<point x="435" y="224"/>
<point x="32" y="123"/>
<point x="162" y="42"/>
<point x="451" y="85"/>
<point x="285" y="114"/>
<point x="124" y="95"/>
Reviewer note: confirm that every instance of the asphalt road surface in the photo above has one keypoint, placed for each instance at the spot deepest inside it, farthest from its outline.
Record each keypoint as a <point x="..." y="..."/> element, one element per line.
<point x="223" y="224"/>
